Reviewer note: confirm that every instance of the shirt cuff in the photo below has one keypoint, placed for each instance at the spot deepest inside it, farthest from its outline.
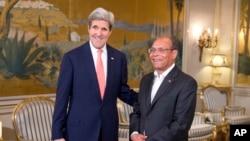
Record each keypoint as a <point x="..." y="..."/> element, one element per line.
<point x="135" y="132"/>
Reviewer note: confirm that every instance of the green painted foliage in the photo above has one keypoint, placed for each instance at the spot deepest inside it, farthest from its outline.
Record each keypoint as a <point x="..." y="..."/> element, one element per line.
<point x="18" y="58"/>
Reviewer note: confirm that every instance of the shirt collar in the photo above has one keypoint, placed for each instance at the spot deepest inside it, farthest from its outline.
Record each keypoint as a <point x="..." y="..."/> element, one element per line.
<point x="93" y="49"/>
<point x="165" y="73"/>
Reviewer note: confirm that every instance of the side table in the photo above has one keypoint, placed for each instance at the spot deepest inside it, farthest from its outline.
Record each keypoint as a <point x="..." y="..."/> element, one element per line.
<point x="224" y="128"/>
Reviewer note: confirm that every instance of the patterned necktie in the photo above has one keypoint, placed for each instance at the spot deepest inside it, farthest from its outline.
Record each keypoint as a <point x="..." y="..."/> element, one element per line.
<point x="100" y="72"/>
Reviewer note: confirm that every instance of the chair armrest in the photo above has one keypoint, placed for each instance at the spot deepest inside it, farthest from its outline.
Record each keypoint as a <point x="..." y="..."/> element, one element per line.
<point x="234" y="110"/>
<point x="215" y="111"/>
<point x="199" y="118"/>
<point x="124" y="125"/>
<point x="215" y="116"/>
<point x="234" y="107"/>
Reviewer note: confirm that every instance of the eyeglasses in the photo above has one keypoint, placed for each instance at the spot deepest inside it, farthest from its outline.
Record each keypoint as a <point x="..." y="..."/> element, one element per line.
<point x="161" y="50"/>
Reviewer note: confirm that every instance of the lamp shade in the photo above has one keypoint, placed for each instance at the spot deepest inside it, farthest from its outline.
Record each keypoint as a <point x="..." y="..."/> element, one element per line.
<point x="218" y="60"/>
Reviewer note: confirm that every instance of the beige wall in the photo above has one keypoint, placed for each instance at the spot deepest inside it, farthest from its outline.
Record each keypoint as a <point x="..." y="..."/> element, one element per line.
<point x="221" y="14"/>
<point x="203" y="14"/>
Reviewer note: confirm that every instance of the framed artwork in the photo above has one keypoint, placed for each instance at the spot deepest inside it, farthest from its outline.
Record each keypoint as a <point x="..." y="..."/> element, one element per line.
<point x="34" y="36"/>
<point x="243" y="62"/>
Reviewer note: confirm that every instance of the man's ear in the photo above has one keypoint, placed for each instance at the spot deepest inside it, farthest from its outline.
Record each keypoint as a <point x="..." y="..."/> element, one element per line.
<point x="175" y="53"/>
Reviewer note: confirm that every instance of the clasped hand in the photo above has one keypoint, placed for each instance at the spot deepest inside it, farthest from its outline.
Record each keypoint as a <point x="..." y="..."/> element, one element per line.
<point x="138" y="137"/>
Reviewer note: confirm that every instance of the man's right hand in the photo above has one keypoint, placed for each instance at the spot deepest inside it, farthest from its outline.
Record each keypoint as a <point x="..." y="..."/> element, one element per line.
<point x="138" y="137"/>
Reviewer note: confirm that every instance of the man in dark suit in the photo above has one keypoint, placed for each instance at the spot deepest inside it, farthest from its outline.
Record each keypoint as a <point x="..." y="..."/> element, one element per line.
<point x="167" y="98"/>
<point x="85" y="108"/>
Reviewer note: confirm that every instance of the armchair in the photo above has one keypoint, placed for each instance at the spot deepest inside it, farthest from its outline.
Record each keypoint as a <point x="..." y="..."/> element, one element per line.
<point x="124" y="111"/>
<point x="216" y="102"/>
<point x="200" y="130"/>
<point x="32" y="119"/>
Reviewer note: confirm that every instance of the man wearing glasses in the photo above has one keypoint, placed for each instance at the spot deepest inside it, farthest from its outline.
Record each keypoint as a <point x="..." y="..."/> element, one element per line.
<point x="167" y="98"/>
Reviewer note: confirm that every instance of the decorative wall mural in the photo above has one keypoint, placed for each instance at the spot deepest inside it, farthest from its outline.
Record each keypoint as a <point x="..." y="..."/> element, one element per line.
<point x="34" y="35"/>
<point x="243" y="70"/>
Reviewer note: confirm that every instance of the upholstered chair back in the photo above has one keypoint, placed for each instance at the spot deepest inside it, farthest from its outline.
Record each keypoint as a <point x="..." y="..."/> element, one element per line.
<point x="124" y="111"/>
<point x="214" y="99"/>
<point x="32" y="119"/>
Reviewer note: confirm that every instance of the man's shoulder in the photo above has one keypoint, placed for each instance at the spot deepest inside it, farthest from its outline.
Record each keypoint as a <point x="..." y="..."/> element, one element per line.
<point x="149" y="75"/>
<point x="82" y="47"/>
<point x="115" y="51"/>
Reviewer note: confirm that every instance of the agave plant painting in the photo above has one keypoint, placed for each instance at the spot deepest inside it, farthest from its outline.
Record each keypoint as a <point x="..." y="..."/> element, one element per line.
<point x="18" y="58"/>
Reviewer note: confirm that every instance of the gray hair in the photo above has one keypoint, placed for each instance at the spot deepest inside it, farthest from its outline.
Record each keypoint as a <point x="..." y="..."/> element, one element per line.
<point x="102" y="14"/>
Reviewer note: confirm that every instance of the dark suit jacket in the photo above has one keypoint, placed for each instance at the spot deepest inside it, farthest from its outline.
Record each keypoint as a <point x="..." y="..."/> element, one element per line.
<point x="171" y="113"/>
<point x="89" y="116"/>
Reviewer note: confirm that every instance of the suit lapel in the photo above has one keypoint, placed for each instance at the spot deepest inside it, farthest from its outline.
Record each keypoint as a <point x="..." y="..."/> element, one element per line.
<point x="88" y="61"/>
<point x="110" y="69"/>
<point x="167" y="82"/>
<point x="148" y="91"/>
<point x="87" y="58"/>
<point x="163" y="88"/>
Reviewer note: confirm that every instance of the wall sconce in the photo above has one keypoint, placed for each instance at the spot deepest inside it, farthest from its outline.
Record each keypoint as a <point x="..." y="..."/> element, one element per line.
<point x="217" y="61"/>
<point x="206" y="40"/>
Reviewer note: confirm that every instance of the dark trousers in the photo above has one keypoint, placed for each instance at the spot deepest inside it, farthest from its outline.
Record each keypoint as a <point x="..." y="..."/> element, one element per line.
<point x="100" y="135"/>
